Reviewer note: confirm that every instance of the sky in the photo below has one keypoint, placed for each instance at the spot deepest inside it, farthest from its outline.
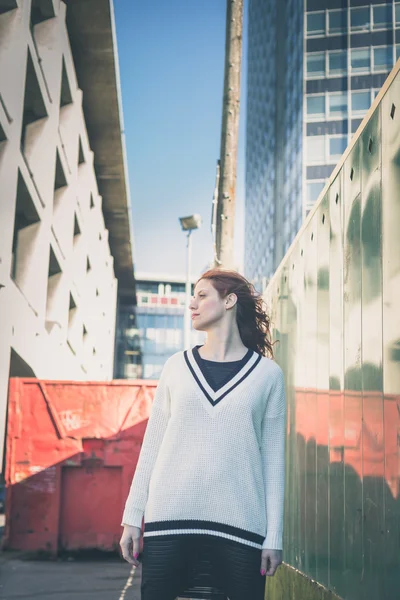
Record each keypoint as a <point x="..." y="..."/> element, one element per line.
<point x="171" y="60"/>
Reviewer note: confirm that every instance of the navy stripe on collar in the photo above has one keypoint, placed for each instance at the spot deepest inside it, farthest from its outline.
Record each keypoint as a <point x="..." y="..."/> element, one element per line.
<point x="215" y="402"/>
<point x="203" y="366"/>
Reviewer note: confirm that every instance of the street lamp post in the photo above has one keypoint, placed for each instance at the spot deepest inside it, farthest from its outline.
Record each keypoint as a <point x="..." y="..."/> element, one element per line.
<point x="188" y="224"/>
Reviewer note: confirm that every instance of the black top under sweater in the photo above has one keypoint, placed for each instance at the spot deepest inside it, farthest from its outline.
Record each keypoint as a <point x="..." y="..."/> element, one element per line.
<point x="217" y="373"/>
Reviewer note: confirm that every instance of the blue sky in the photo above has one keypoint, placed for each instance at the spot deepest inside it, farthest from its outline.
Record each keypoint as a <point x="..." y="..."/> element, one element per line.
<point x="171" y="57"/>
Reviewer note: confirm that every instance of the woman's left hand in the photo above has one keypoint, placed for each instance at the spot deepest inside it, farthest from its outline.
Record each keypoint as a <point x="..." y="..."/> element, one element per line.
<point x="270" y="561"/>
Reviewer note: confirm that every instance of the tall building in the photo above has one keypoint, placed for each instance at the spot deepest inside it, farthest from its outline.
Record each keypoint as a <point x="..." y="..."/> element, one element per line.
<point x="152" y="331"/>
<point x="65" y="228"/>
<point x="314" y="68"/>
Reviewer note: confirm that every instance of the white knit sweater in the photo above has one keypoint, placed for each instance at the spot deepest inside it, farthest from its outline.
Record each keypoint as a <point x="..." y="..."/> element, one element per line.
<point x="213" y="462"/>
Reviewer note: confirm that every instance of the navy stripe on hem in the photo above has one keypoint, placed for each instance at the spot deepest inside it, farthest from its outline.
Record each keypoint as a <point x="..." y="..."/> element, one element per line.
<point x="208" y="525"/>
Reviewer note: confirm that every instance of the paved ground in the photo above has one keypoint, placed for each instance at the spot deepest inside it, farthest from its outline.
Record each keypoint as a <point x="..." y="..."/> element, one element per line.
<point x="110" y="579"/>
<point x="85" y="578"/>
<point x="104" y="578"/>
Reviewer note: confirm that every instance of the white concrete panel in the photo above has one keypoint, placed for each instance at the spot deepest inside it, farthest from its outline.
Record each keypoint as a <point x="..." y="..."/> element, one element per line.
<point x="52" y="340"/>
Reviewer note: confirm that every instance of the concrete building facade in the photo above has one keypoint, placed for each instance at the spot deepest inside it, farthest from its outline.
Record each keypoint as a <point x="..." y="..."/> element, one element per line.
<point x="65" y="230"/>
<point x="314" y="68"/>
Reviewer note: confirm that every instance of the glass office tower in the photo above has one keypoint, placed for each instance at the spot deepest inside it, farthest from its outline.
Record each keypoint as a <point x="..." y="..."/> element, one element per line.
<point x="314" y="68"/>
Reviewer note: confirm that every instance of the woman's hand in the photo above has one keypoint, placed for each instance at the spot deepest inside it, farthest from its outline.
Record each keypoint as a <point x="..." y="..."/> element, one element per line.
<point x="270" y="561"/>
<point x="130" y="542"/>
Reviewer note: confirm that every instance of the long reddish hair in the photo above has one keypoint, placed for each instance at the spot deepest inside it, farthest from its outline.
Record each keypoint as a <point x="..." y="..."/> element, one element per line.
<point x="251" y="316"/>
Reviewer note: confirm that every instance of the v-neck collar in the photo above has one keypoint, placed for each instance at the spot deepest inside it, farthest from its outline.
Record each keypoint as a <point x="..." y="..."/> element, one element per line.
<point x="250" y="361"/>
<point x="203" y="363"/>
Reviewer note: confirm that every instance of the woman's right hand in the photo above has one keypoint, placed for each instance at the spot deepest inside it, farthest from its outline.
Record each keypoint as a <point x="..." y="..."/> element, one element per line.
<point x="130" y="542"/>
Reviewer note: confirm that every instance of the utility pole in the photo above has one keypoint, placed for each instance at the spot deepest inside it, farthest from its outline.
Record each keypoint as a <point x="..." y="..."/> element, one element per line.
<point x="188" y="290"/>
<point x="225" y="221"/>
<point x="214" y="215"/>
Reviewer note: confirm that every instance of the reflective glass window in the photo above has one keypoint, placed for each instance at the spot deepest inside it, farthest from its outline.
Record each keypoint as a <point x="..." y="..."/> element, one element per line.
<point x="360" y="101"/>
<point x="316" y="105"/>
<point x="314" y="188"/>
<point x="397" y="13"/>
<point x="337" y="62"/>
<point x="145" y="286"/>
<point x="316" y="65"/>
<point x="382" y="16"/>
<point x="360" y="19"/>
<point x="360" y="60"/>
<point x="337" y="145"/>
<point x="383" y="59"/>
<point x="397" y="51"/>
<point x="316" y="148"/>
<point x="337" y="103"/>
<point x="337" y="21"/>
<point x="150" y="321"/>
<point x="315" y="24"/>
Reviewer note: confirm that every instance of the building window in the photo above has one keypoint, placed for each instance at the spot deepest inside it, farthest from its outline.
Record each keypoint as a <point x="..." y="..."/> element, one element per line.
<point x="337" y="104"/>
<point x="397" y="14"/>
<point x="316" y="149"/>
<point x="397" y="51"/>
<point x="316" y="65"/>
<point x="383" y="59"/>
<point x="314" y="188"/>
<point x="382" y="16"/>
<point x="337" y="62"/>
<point x="150" y="322"/>
<point x="337" y="21"/>
<point x="360" y="19"/>
<point x="337" y="145"/>
<point x="360" y="101"/>
<point x="360" y="60"/>
<point x="316" y="106"/>
<point x="315" y="24"/>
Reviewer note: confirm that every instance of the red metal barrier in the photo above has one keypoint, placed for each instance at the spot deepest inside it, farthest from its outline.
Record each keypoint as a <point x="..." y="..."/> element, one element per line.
<point x="71" y="451"/>
<point x="72" y="448"/>
<point x="359" y="428"/>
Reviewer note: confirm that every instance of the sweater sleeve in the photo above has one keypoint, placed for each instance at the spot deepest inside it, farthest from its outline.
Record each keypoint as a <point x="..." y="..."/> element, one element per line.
<point x="273" y="457"/>
<point x="159" y="415"/>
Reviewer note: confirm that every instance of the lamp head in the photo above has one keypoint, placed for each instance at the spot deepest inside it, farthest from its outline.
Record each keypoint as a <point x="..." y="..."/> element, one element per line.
<point x="191" y="222"/>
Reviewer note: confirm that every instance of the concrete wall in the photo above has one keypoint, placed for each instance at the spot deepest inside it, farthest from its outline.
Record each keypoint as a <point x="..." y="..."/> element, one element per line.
<point x="57" y="283"/>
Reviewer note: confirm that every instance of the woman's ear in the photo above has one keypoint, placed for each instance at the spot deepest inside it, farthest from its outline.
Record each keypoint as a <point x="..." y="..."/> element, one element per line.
<point x="231" y="300"/>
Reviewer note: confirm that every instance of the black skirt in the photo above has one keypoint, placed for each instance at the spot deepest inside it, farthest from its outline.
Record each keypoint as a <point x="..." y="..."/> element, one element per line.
<point x="200" y="566"/>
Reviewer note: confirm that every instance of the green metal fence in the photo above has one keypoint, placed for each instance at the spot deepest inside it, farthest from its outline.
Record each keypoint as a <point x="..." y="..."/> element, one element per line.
<point x="335" y="306"/>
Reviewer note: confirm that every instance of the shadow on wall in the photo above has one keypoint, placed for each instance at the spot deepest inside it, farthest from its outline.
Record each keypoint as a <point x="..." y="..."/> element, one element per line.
<point x="342" y="511"/>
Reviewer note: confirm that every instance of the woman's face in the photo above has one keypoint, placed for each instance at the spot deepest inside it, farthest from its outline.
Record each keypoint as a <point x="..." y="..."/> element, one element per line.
<point x="206" y="306"/>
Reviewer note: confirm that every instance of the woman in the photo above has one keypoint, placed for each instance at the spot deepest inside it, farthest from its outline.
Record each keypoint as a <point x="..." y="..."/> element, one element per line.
<point x="210" y="475"/>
